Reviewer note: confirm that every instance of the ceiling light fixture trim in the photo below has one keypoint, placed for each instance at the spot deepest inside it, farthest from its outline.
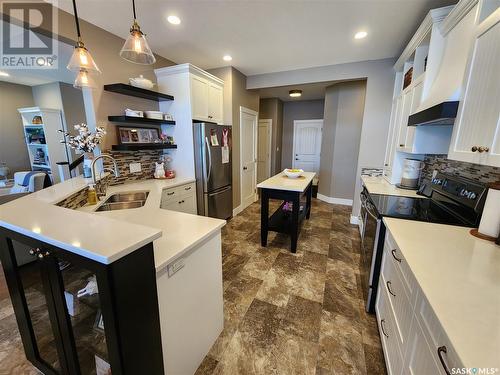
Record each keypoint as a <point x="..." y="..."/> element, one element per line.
<point x="360" y="35"/>
<point x="174" y="20"/>
<point x="227" y="58"/>
<point x="295" y="93"/>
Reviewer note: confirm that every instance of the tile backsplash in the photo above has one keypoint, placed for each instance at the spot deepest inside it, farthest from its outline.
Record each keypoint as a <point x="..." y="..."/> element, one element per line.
<point x="480" y="173"/>
<point x="147" y="158"/>
<point x="75" y="200"/>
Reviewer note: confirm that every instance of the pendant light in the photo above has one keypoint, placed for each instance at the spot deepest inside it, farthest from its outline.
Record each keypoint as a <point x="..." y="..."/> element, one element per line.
<point x="84" y="79"/>
<point x="136" y="48"/>
<point x="81" y="59"/>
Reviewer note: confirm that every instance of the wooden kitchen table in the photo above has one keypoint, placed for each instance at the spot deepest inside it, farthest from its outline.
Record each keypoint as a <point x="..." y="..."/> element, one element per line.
<point x="288" y="190"/>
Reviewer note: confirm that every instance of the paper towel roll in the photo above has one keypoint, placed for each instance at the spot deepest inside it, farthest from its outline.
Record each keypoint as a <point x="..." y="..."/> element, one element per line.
<point x="490" y="221"/>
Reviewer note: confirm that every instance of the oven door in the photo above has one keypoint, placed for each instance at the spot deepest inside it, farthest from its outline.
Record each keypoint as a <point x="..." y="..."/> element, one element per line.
<point x="371" y="254"/>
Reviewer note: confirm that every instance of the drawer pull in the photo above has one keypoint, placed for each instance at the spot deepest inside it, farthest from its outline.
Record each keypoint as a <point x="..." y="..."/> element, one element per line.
<point x="181" y="202"/>
<point x="187" y="188"/>
<point x="171" y="193"/>
<point x="393" y="252"/>
<point x="388" y="283"/>
<point x="382" y="327"/>
<point x="441" y="350"/>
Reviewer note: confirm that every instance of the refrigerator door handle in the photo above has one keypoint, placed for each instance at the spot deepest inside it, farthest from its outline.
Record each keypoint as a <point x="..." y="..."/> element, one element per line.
<point x="209" y="158"/>
<point x="219" y="191"/>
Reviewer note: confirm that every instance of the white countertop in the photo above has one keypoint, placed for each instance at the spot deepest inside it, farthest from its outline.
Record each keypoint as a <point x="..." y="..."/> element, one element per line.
<point x="108" y="236"/>
<point x="460" y="277"/>
<point x="379" y="185"/>
<point x="180" y="231"/>
<point x="282" y="182"/>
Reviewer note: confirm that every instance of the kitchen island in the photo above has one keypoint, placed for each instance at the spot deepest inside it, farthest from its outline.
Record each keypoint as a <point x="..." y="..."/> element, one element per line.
<point x="284" y="219"/>
<point x="186" y="259"/>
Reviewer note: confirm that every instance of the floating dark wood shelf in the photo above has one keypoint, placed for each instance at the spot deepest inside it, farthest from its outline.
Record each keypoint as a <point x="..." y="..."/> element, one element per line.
<point x="141" y="146"/>
<point x="139" y="120"/>
<point x="124" y="89"/>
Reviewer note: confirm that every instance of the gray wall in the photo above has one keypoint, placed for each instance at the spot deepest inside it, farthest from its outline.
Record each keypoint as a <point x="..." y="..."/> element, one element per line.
<point x="344" y="106"/>
<point x="379" y="88"/>
<point x="272" y="108"/>
<point x="300" y="110"/>
<point x="13" y="150"/>
<point x="235" y="96"/>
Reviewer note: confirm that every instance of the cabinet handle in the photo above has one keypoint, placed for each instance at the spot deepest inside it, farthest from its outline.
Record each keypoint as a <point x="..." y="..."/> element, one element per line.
<point x="382" y="327"/>
<point x="441" y="350"/>
<point x="393" y="252"/>
<point x="187" y="188"/>
<point x="172" y="193"/>
<point x="401" y="145"/>
<point x="474" y="148"/>
<point x="388" y="283"/>
<point x="180" y="202"/>
<point x="483" y="149"/>
<point x="245" y="168"/>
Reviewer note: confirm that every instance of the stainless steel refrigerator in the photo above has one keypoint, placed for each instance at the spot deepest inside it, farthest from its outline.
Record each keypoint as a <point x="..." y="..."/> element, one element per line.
<point x="213" y="165"/>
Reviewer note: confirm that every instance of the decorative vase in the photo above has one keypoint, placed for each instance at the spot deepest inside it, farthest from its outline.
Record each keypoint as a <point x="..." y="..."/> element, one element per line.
<point x="87" y="163"/>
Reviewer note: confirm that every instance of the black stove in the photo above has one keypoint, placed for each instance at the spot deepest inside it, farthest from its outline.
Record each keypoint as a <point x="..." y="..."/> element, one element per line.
<point x="451" y="200"/>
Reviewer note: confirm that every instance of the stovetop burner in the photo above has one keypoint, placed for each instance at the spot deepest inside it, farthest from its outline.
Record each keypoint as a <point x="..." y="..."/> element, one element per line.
<point x="421" y="209"/>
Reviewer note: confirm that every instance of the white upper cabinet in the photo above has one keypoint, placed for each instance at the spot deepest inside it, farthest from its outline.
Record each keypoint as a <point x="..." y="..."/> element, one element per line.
<point x="199" y="97"/>
<point x="215" y="103"/>
<point x="476" y="134"/>
<point x="206" y="99"/>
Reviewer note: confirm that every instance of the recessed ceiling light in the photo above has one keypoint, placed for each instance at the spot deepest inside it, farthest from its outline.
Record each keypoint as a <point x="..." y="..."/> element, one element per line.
<point x="4" y="74"/>
<point x="360" y="35"/>
<point x="295" y="93"/>
<point x="227" y="58"/>
<point x="174" y="20"/>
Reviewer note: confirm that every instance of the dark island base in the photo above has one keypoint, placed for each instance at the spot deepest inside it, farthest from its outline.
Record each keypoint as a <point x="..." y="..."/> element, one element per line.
<point x="281" y="221"/>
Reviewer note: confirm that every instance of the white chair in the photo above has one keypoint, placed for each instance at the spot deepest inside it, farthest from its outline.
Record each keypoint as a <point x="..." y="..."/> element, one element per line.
<point x="35" y="182"/>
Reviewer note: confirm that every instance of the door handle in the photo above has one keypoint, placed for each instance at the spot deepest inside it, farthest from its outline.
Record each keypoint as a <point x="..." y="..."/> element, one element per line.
<point x="209" y="158"/>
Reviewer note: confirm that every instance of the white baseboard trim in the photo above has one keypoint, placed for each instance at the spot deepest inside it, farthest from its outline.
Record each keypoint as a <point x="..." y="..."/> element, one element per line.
<point x="344" y="202"/>
<point x="237" y="210"/>
<point x="354" y="220"/>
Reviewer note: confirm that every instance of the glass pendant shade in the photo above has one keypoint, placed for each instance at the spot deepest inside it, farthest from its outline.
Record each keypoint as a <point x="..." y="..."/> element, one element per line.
<point x="84" y="79"/>
<point x="82" y="59"/>
<point x="136" y="48"/>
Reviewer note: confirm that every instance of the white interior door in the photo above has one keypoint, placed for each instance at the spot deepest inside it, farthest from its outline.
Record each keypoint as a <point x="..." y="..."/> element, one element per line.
<point x="307" y="144"/>
<point x="264" y="135"/>
<point x="248" y="156"/>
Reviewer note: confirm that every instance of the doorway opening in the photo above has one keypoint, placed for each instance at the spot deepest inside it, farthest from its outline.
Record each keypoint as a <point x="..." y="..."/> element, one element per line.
<point x="264" y="149"/>
<point x="248" y="156"/>
<point x="307" y="144"/>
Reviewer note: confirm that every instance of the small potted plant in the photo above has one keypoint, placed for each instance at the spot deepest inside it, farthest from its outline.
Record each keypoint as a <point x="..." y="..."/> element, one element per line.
<point x="85" y="142"/>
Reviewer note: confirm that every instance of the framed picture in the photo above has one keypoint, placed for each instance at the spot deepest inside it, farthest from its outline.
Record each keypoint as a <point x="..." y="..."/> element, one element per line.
<point x="138" y="135"/>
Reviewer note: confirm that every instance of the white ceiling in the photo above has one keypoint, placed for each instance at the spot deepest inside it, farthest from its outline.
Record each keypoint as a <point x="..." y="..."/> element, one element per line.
<point x="310" y="91"/>
<point x="265" y="36"/>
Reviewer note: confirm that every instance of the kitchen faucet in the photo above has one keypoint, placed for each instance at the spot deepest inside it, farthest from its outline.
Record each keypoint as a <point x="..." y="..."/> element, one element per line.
<point x="101" y="188"/>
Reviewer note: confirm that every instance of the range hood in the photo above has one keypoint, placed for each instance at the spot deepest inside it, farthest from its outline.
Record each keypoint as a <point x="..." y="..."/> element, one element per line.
<point x="448" y="54"/>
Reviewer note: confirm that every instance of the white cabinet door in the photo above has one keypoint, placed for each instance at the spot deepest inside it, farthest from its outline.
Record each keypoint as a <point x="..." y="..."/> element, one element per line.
<point x="199" y="98"/>
<point x="188" y="204"/>
<point x="419" y="356"/>
<point x="477" y="127"/>
<point x="215" y="103"/>
<point x="388" y="335"/>
<point x="391" y="140"/>
<point x="403" y="120"/>
<point x="416" y="98"/>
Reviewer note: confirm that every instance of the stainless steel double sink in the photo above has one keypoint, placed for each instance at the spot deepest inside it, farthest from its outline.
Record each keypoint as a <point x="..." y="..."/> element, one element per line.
<point x="123" y="201"/>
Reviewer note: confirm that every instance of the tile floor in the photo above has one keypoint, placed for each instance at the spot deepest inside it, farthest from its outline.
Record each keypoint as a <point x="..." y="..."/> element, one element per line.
<point x="284" y="313"/>
<point x="297" y="313"/>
